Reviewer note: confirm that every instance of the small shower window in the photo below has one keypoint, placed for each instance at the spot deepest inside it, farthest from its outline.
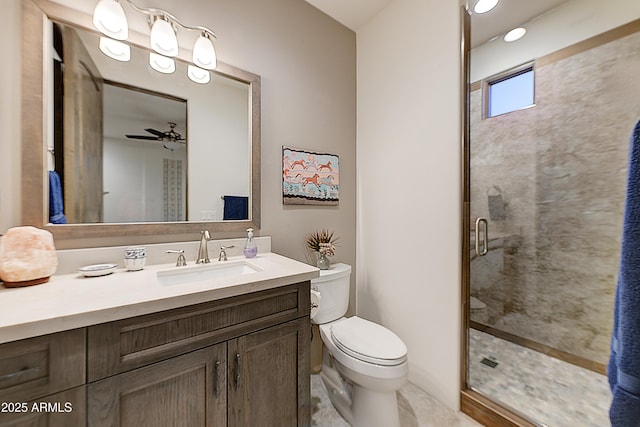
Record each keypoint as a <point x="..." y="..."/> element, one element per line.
<point x="509" y="91"/>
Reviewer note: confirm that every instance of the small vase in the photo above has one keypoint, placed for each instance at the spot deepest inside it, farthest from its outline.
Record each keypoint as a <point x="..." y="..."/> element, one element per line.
<point x="323" y="262"/>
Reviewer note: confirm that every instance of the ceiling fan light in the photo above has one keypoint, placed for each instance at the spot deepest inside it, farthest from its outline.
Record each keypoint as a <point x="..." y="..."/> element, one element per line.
<point x="115" y="49"/>
<point x="163" y="38"/>
<point x="204" y="54"/>
<point x="484" y="6"/>
<point x="162" y="64"/>
<point x="198" y="75"/>
<point x="515" y="34"/>
<point x="110" y="20"/>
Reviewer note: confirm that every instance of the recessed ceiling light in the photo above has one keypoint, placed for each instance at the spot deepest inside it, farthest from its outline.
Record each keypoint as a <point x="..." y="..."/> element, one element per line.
<point x="484" y="6"/>
<point x="515" y="34"/>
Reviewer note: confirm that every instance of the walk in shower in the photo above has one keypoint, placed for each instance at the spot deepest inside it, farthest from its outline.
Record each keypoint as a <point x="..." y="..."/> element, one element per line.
<point x="545" y="198"/>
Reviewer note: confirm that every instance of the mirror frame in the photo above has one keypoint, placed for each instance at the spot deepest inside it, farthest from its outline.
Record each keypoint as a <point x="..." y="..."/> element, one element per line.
<point x="35" y="197"/>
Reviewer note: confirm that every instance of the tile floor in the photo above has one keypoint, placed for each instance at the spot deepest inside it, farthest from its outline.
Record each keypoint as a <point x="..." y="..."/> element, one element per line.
<point x="417" y="409"/>
<point x="543" y="389"/>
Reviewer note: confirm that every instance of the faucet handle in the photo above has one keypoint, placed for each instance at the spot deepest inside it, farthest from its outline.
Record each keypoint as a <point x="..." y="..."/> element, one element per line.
<point x="181" y="261"/>
<point x="223" y="252"/>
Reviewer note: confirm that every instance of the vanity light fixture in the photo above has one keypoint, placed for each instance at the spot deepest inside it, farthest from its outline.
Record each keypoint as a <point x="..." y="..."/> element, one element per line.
<point x="163" y="37"/>
<point x="484" y="6"/>
<point x="162" y="64"/>
<point x="515" y="34"/>
<point x="198" y="75"/>
<point x="204" y="55"/>
<point x="115" y="49"/>
<point x="110" y="19"/>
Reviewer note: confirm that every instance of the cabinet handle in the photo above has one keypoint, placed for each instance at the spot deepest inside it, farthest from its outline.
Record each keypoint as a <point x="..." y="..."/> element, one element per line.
<point x="17" y="374"/>
<point x="216" y="378"/>
<point x="237" y="369"/>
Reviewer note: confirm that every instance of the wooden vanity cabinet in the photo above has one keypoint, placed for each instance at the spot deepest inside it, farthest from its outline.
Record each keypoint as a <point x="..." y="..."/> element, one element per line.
<point x="240" y="361"/>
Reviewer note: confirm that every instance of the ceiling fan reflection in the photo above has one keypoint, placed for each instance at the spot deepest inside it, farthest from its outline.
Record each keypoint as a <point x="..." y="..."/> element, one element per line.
<point x="170" y="136"/>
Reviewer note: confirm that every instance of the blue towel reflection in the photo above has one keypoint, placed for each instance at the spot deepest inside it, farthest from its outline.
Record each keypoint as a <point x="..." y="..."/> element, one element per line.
<point x="236" y="207"/>
<point x="56" y="204"/>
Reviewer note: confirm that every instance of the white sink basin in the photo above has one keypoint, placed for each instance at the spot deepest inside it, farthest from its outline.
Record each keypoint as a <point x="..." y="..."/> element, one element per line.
<point x="197" y="273"/>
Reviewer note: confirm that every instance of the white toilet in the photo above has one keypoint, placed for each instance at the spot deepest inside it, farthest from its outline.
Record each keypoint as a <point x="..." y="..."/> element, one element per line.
<point x="363" y="363"/>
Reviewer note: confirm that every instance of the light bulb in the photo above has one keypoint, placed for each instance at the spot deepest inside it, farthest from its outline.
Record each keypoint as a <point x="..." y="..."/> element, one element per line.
<point x="163" y="38"/>
<point x="204" y="55"/>
<point x="162" y="64"/>
<point x="115" y="49"/>
<point x="110" y="20"/>
<point x="198" y="75"/>
<point x="484" y="6"/>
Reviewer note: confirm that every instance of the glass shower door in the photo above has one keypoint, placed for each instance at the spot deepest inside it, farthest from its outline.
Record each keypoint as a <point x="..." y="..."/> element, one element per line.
<point x="547" y="189"/>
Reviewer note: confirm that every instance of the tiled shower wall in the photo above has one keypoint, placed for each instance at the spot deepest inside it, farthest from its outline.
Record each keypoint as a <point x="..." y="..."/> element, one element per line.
<point x="560" y="169"/>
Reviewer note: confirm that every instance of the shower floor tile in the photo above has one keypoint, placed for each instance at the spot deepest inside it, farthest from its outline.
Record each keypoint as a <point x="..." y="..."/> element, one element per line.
<point x="543" y="389"/>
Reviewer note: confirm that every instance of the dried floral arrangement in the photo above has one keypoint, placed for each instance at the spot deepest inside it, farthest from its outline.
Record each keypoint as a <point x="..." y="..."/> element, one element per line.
<point x="322" y="241"/>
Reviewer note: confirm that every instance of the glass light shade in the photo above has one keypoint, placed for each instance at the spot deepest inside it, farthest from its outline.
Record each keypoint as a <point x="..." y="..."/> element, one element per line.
<point x="163" y="38"/>
<point x="204" y="55"/>
<point x="484" y="6"/>
<point x="515" y="34"/>
<point x="110" y="20"/>
<point x="198" y="75"/>
<point x="162" y="64"/>
<point x="115" y="49"/>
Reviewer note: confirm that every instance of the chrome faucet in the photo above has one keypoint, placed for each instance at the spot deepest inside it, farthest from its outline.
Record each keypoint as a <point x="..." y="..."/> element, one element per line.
<point x="203" y="252"/>
<point x="181" y="261"/>
<point x="223" y="252"/>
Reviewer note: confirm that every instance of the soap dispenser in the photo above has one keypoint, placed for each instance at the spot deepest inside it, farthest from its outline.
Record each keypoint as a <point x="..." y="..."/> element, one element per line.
<point x="250" y="248"/>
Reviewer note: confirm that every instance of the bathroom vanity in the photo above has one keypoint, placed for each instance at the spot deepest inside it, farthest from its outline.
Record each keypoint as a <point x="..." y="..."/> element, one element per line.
<point x="129" y="349"/>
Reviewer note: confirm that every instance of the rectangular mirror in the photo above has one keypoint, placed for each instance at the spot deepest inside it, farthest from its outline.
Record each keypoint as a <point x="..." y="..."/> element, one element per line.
<point x="133" y="149"/>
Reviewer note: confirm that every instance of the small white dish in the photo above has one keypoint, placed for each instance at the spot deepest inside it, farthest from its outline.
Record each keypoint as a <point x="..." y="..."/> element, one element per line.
<point x="97" y="270"/>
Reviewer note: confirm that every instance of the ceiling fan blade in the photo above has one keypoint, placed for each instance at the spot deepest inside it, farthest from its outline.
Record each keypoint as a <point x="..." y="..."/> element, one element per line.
<point x="147" y="137"/>
<point x="155" y="132"/>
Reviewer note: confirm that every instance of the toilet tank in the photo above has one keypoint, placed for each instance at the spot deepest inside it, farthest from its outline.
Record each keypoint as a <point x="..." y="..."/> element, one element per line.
<point x="333" y="286"/>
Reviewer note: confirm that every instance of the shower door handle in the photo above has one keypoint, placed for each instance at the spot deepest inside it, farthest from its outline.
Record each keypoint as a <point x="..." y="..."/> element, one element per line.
<point x="485" y="236"/>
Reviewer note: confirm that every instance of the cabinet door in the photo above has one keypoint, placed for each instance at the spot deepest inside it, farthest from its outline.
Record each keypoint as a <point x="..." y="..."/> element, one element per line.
<point x="269" y="376"/>
<point x="188" y="390"/>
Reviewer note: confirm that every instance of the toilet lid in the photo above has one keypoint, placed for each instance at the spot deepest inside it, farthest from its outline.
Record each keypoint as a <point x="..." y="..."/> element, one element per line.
<point x="368" y="341"/>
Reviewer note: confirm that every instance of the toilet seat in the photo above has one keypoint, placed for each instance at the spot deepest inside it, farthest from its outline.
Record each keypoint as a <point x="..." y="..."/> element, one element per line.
<point x="368" y="342"/>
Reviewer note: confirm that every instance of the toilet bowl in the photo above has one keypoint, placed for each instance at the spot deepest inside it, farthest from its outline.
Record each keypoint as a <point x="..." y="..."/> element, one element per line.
<point x="363" y="363"/>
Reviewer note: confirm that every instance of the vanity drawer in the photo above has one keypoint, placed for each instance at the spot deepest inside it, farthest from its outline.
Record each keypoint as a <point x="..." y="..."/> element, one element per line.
<point x="40" y="366"/>
<point x="126" y="344"/>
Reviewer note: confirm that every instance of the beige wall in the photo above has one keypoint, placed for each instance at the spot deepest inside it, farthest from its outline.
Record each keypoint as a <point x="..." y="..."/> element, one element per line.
<point x="409" y="198"/>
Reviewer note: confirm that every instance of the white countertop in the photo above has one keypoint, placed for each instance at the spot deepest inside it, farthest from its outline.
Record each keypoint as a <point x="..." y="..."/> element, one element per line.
<point x="71" y="301"/>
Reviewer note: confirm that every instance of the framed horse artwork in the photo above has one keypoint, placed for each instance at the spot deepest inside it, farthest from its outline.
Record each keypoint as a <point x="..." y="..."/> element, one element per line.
<point x="310" y="178"/>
